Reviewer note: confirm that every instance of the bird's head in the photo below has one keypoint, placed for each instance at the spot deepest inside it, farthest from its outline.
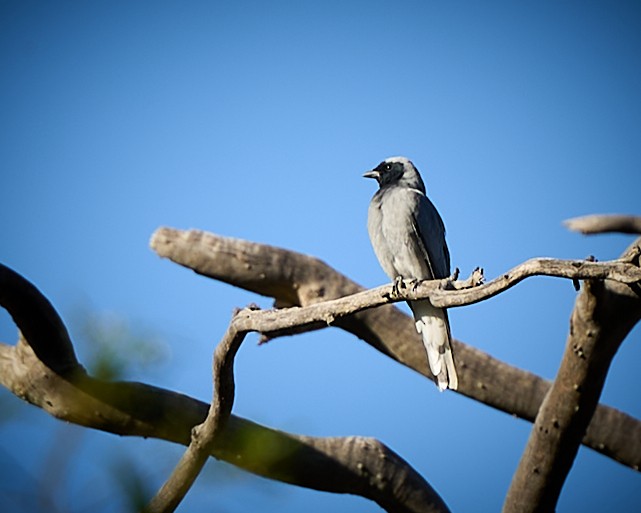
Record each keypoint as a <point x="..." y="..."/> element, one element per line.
<point x="397" y="171"/>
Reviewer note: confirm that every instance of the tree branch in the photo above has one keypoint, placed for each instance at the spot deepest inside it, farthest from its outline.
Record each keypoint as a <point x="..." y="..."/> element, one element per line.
<point x="355" y="465"/>
<point x="605" y="224"/>
<point x="604" y="313"/>
<point x="620" y="271"/>
<point x="204" y="436"/>
<point x="109" y="405"/>
<point x="22" y="299"/>
<point x="296" y="279"/>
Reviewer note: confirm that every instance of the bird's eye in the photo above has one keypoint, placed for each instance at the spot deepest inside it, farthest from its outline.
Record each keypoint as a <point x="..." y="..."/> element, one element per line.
<point x="388" y="167"/>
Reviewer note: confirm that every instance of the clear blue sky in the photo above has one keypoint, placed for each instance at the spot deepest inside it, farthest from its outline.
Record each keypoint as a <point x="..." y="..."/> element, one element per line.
<point x="256" y="120"/>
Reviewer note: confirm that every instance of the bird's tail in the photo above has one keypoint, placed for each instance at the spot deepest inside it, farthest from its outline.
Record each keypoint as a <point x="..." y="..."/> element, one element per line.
<point x="433" y="325"/>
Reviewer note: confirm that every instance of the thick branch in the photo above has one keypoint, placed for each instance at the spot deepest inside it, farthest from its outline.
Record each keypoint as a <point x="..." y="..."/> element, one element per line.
<point x="604" y="313"/>
<point x="605" y="224"/>
<point x="21" y="299"/>
<point x="354" y="465"/>
<point x="135" y="409"/>
<point x="295" y="279"/>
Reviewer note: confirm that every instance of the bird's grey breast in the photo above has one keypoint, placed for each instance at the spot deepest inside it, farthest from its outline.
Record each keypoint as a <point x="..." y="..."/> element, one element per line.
<point x="392" y="230"/>
<point x="375" y="221"/>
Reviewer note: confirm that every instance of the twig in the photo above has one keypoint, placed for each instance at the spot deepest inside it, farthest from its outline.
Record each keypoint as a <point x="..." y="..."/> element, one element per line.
<point x="605" y="224"/>
<point x="570" y="269"/>
<point x="288" y="321"/>
<point x="203" y="436"/>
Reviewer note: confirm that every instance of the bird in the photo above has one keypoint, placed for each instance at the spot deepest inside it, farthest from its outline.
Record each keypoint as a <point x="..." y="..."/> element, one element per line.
<point x="408" y="237"/>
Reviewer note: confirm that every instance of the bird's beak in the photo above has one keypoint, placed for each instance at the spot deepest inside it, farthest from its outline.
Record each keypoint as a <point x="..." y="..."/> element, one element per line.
<point x="372" y="174"/>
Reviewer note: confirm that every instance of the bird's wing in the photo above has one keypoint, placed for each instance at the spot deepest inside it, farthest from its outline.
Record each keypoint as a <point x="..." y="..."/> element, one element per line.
<point x="430" y="234"/>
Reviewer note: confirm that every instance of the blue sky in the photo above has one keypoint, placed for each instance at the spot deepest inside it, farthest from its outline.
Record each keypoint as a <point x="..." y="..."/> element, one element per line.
<point x="256" y="120"/>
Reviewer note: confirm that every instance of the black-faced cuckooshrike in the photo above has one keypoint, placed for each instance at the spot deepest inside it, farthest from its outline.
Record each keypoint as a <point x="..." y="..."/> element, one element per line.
<point x="408" y="236"/>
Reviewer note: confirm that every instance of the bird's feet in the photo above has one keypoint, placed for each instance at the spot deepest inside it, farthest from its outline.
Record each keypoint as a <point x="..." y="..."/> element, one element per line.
<point x="400" y="284"/>
<point x="397" y="286"/>
<point x="449" y="283"/>
<point x="476" y="278"/>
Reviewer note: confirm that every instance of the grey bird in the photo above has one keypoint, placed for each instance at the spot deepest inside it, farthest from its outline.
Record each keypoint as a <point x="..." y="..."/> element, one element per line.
<point x="408" y="237"/>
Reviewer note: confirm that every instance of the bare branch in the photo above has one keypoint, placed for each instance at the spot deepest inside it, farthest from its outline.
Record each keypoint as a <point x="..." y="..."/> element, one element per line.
<point x="289" y="321"/>
<point x="355" y="465"/>
<point x="21" y="299"/>
<point x="571" y="269"/>
<point x="604" y="313"/>
<point x="136" y="409"/>
<point x="605" y="224"/>
<point x="275" y="323"/>
<point x="204" y="435"/>
<point x="317" y="280"/>
<point x="295" y="279"/>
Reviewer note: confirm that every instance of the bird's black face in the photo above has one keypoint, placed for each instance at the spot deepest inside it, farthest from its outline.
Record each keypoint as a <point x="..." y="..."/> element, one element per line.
<point x="386" y="172"/>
